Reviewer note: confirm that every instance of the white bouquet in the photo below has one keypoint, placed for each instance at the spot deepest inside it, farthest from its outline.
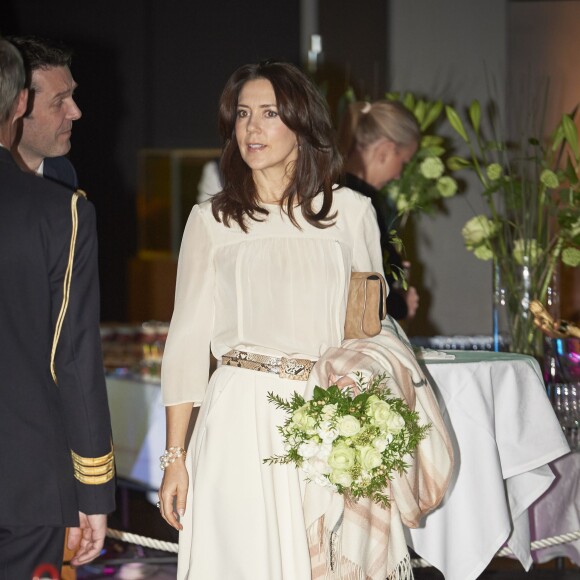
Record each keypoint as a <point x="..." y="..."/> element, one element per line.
<point x="350" y="440"/>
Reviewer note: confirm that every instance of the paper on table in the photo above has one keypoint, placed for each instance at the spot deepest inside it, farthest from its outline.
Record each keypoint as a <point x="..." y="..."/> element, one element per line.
<point x="430" y="354"/>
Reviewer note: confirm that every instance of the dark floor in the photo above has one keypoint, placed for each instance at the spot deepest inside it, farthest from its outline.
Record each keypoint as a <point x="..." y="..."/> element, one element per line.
<point x="136" y="514"/>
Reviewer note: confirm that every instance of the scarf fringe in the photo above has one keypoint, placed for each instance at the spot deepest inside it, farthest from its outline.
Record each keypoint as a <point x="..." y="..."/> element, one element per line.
<point x="328" y="563"/>
<point x="403" y="571"/>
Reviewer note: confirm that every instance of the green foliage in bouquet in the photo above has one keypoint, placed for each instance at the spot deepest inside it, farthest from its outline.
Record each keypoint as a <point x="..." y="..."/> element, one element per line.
<point x="350" y="443"/>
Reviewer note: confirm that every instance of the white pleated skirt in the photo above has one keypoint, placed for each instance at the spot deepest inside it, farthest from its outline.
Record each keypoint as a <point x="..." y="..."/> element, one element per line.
<point x="244" y="518"/>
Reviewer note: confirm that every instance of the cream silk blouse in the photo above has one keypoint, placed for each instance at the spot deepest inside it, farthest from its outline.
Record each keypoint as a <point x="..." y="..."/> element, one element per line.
<point x="276" y="290"/>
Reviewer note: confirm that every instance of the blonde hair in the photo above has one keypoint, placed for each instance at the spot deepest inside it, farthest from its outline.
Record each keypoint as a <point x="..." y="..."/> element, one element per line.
<point x="365" y="123"/>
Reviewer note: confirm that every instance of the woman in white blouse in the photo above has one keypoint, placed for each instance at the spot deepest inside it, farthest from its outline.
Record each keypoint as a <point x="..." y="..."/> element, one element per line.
<point x="262" y="282"/>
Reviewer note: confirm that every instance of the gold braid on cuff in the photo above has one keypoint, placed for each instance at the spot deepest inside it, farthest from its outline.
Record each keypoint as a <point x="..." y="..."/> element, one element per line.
<point x="94" y="470"/>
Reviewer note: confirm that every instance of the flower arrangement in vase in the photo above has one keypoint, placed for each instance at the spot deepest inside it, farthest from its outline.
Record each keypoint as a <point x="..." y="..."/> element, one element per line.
<point x="532" y="192"/>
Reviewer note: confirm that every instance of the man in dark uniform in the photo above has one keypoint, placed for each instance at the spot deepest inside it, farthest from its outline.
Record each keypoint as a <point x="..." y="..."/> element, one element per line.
<point x="46" y="127"/>
<point x="56" y="457"/>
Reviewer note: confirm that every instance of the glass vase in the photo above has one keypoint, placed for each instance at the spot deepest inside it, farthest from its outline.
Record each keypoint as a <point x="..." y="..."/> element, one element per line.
<point x="515" y="285"/>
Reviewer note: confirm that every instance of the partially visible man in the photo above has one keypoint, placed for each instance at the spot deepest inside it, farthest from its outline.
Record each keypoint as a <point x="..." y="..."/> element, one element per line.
<point x="56" y="458"/>
<point x="47" y="124"/>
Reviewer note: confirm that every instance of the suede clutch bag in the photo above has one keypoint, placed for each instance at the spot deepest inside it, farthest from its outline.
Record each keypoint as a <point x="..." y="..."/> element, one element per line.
<point x="366" y="306"/>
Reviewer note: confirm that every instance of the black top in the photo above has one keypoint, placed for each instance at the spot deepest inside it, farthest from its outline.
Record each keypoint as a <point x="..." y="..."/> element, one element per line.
<point x="396" y="304"/>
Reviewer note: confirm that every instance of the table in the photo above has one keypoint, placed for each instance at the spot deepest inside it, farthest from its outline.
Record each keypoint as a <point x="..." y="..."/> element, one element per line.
<point x="558" y="511"/>
<point x="504" y="434"/>
<point x="138" y="422"/>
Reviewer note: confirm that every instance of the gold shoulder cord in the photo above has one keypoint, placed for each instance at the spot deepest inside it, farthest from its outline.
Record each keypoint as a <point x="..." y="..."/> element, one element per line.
<point x="88" y="470"/>
<point x="67" y="278"/>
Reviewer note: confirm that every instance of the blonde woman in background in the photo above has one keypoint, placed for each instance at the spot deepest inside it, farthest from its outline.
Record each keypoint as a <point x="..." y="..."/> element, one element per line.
<point x="376" y="140"/>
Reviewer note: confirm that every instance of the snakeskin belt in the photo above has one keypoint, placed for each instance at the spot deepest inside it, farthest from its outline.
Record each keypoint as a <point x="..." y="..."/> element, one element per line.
<point x="296" y="369"/>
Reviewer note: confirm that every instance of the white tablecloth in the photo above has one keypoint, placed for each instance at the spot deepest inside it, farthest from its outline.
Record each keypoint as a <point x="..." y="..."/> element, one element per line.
<point x="138" y="420"/>
<point x="504" y="433"/>
<point x="558" y="511"/>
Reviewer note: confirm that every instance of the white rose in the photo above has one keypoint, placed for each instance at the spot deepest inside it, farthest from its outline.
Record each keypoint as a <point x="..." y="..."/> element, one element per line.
<point x="348" y="426"/>
<point x="394" y="422"/>
<point x="302" y="419"/>
<point x="339" y="477"/>
<point x="342" y="457"/>
<point x="477" y="230"/>
<point x="383" y="416"/>
<point x="369" y="457"/>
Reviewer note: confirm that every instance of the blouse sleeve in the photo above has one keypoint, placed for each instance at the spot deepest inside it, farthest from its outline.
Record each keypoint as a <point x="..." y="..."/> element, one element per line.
<point x="367" y="254"/>
<point x="185" y="366"/>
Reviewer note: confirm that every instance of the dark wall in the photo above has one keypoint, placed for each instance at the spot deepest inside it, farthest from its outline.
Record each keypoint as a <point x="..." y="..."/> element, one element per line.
<point x="149" y="74"/>
<point x="354" y="45"/>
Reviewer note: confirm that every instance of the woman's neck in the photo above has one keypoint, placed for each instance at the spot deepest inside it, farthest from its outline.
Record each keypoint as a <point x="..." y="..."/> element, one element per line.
<point x="270" y="186"/>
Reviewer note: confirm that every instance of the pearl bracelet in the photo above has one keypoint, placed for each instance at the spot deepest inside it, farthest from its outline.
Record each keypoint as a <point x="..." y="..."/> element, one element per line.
<point x="170" y="455"/>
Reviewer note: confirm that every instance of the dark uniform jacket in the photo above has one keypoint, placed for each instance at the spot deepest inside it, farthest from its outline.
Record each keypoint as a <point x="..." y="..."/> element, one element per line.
<point x="60" y="170"/>
<point x="42" y="481"/>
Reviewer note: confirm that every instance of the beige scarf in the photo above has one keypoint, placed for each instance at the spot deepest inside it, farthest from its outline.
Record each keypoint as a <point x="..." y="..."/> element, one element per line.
<point x="362" y="540"/>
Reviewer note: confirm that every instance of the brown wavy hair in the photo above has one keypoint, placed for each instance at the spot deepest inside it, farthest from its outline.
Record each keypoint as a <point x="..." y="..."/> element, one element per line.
<point x="304" y="111"/>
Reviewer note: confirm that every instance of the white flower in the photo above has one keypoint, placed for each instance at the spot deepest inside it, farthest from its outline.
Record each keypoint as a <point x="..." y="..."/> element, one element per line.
<point x="483" y="252"/>
<point x="549" y="178"/>
<point x="348" y="426"/>
<point x="383" y="416"/>
<point x="369" y="457"/>
<point x="316" y="467"/>
<point x="324" y="451"/>
<point x="381" y="443"/>
<point x="494" y="171"/>
<point x="328" y="433"/>
<point x="340" y="477"/>
<point x="364" y="479"/>
<point x="342" y="457"/>
<point x="477" y="230"/>
<point x="301" y="418"/>
<point x="432" y="168"/>
<point x="328" y="412"/>
<point x="308" y="449"/>
<point x="402" y="203"/>
<point x="447" y="186"/>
